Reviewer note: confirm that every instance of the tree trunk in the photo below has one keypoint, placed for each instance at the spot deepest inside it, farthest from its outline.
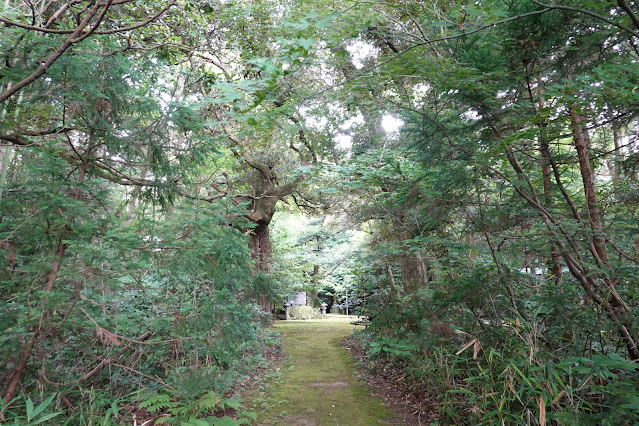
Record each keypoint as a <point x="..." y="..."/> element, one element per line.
<point x="555" y="262"/>
<point x="260" y="245"/>
<point x="612" y="301"/>
<point x="582" y="140"/>
<point x="27" y="349"/>
<point x="5" y="160"/>
<point x="546" y="173"/>
<point x="613" y="164"/>
<point x="263" y="206"/>
<point x="599" y="287"/>
<point x="414" y="274"/>
<point x="261" y="251"/>
<point x="261" y="213"/>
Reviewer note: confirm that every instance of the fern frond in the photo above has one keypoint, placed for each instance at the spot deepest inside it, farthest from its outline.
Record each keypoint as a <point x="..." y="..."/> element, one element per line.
<point x="249" y="416"/>
<point x="162" y="421"/>
<point x="209" y="401"/>
<point x="226" y="421"/>
<point x="231" y="403"/>
<point x="157" y="402"/>
<point x="195" y="422"/>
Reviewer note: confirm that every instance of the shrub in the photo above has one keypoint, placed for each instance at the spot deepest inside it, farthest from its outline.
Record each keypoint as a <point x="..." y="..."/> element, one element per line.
<point x="304" y="313"/>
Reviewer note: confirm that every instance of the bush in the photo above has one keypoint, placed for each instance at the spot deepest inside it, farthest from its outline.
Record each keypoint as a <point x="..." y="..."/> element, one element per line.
<point x="304" y="313"/>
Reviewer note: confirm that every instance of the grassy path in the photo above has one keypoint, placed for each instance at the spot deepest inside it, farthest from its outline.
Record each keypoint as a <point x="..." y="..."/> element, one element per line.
<point x="318" y="386"/>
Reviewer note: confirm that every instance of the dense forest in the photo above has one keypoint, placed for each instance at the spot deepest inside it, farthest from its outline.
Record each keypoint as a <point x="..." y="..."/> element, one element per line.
<point x="465" y="172"/>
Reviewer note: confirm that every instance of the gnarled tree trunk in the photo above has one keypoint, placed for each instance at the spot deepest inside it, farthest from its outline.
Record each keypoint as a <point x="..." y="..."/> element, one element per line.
<point x="261" y="213"/>
<point x="260" y="245"/>
<point x="268" y="191"/>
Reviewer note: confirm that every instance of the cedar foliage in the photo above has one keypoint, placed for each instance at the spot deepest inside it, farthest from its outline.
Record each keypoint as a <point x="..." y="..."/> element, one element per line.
<point x="147" y="147"/>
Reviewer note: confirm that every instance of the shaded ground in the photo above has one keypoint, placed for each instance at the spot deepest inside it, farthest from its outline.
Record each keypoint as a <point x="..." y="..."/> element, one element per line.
<point x="394" y="384"/>
<point x="318" y="385"/>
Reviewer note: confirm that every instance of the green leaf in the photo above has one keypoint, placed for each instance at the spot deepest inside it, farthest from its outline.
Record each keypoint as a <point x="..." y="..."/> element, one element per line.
<point x="43" y="405"/>
<point x="114" y="408"/>
<point x="633" y="403"/>
<point x="306" y="43"/>
<point x="29" y="407"/>
<point x="47" y="417"/>
<point x="522" y="375"/>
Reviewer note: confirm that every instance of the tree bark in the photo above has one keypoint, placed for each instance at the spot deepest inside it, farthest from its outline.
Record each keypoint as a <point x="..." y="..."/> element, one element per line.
<point x="412" y="273"/>
<point x="411" y="263"/>
<point x="600" y="289"/>
<point x="546" y="173"/>
<point x="261" y="213"/>
<point x="544" y="150"/>
<point x="582" y="140"/>
<point x="613" y="304"/>
<point x="394" y="290"/>
<point x="260" y="245"/>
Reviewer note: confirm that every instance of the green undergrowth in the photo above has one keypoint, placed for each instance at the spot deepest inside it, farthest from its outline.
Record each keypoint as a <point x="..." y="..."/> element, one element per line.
<point x="510" y="373"/>
<point x="202" y="395"/>
<point x="316" y="384"/>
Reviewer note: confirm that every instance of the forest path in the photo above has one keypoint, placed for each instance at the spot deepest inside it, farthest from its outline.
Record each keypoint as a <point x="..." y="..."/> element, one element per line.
<point x="317" y="385"/>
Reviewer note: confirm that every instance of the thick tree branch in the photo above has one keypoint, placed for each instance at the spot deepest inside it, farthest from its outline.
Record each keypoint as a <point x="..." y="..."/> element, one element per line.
<point x="16" y="140"/>
<point x="139" y="24"/>
<point x="626" y="7"/>
<point x="241" y="150"/>
<point x="217" y="64"/>
<point x="284" y="190"/>
<point x="302" y="137"/>
<point x="76" y="35"/>
<point x="74" y="38"/>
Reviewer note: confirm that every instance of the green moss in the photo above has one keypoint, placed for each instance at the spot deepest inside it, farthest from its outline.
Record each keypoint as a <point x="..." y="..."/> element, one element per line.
<point x="318" y="385"/>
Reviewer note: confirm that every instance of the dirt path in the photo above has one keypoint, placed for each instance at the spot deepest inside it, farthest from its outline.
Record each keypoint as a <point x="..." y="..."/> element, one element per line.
<point x="318" y="385"/>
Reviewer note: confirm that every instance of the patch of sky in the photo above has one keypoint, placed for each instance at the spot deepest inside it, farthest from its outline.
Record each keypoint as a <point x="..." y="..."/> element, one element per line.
<point x="391" y="124"/>
<point x="361" y="51"/>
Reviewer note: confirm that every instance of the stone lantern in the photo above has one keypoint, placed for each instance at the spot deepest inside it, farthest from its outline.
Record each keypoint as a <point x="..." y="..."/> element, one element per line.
<point x="323" y="308"/>
<point x="288" y="305"/>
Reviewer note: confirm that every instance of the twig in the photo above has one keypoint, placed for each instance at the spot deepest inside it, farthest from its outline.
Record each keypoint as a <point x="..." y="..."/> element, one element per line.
<point x="424" y="43"/>
<point x="97" y="368"/>
<point x="589" y="13"/>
